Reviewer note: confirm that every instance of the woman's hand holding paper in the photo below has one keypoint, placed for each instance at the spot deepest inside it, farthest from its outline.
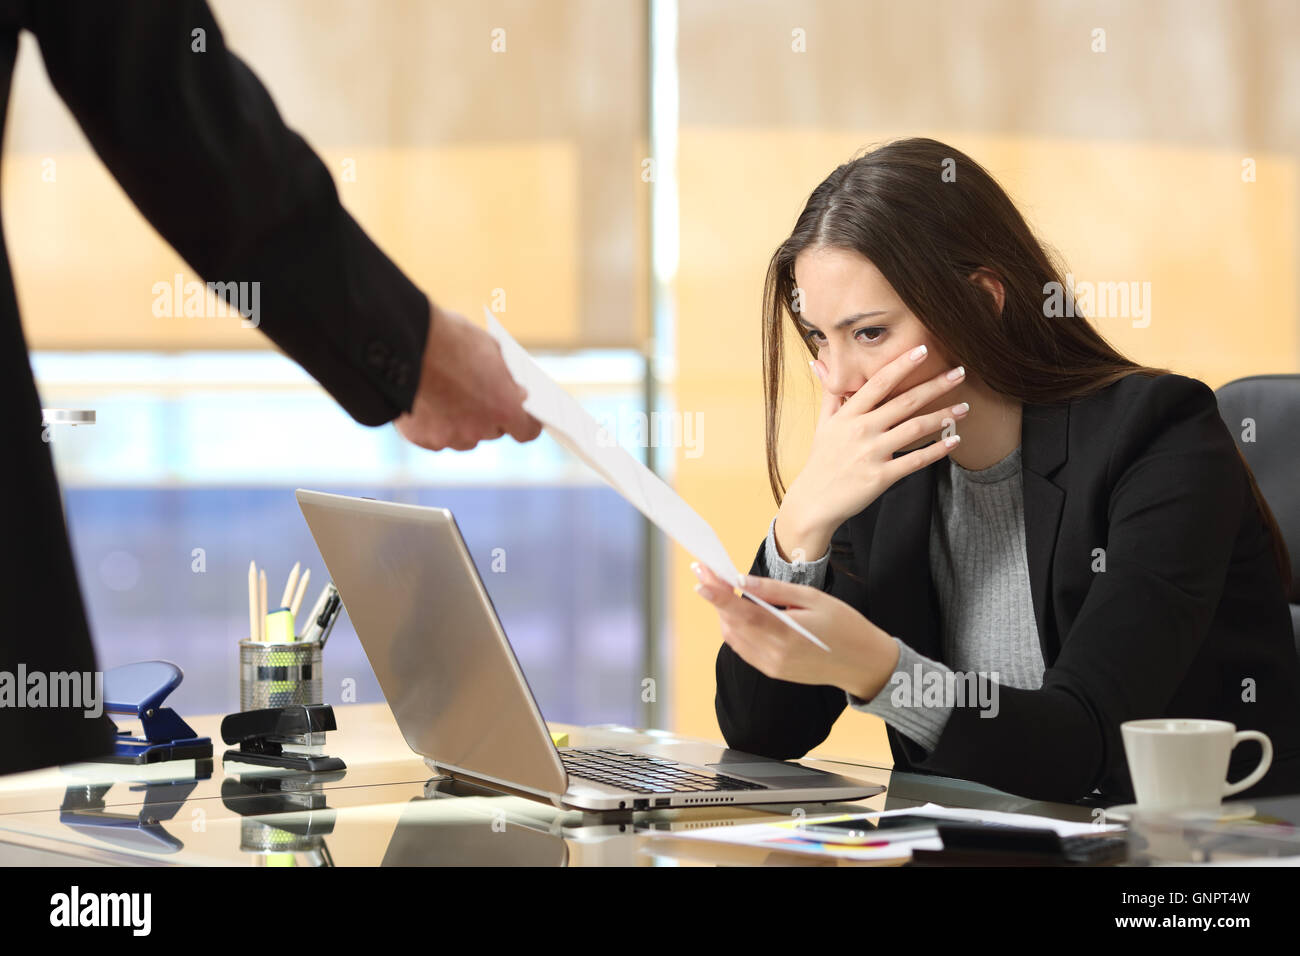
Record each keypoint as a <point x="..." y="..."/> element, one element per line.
<point x="862" y="655"/>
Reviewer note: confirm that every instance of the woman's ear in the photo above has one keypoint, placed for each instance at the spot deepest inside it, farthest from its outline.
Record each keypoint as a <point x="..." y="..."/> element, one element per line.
<point x="989" y="281"/>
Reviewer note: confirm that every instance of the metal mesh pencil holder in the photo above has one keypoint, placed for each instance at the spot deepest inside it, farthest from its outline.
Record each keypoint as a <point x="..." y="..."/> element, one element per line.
<point x="279" y="674"/>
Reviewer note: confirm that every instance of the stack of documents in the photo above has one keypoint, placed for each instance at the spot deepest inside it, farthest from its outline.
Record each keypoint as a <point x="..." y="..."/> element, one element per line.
<point x="892" y="845"/>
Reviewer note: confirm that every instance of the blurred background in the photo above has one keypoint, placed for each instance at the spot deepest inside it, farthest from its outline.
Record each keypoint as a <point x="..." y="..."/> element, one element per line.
<point x="610" y="177"/>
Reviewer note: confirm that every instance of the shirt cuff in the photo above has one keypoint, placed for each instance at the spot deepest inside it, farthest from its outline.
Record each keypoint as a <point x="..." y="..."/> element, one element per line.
<point x="811" y="573"/>
<point x="900" y="702"/>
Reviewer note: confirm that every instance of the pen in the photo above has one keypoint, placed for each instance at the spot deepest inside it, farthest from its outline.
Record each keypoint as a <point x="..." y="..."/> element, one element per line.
<point x="330" y="614"/>
<point x="323" y="616"/>
<point x="309" y="630"/>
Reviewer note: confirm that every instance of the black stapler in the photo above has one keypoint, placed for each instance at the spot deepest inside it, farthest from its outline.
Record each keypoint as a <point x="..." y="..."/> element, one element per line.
<point x="263" y="736"/>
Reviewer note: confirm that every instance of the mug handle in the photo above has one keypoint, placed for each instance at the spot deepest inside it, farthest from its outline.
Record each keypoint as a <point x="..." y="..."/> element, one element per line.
<point x="1265" y="762"/>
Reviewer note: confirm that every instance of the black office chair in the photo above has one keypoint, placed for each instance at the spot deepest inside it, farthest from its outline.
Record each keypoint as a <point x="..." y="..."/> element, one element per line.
<point x="1273" y="403"/>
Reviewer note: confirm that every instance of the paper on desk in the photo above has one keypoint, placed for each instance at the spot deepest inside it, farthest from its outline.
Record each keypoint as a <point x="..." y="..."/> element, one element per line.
<point x="777" y="835"/>
<point x="570" y="424"/>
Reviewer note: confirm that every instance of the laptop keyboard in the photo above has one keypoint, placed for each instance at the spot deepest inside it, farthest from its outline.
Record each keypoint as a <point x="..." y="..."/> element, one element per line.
<point x="641" y="773"/>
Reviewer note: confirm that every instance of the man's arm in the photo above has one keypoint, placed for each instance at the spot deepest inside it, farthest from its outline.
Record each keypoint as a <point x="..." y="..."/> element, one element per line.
<point x="196" y="142"/>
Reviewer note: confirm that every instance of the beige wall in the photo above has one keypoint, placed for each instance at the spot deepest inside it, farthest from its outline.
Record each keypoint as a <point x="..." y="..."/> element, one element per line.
<point x="475" y="170"/>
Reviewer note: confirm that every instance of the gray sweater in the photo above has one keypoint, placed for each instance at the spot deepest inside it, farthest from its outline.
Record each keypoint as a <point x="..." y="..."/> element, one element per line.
<point x="980" y="569"/>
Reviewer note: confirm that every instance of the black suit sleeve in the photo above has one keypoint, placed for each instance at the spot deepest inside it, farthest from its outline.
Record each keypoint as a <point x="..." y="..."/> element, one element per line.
<point x="1178" y="490"/>
<point x="777" y="718"/>
<point x="196" y="142"/>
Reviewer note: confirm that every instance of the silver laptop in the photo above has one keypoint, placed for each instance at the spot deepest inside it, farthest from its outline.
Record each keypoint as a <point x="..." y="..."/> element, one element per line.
<point x="461" y="700"/>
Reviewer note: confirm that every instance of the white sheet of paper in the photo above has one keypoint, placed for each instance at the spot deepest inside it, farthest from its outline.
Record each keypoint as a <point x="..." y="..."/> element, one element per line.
<point x="573" y="427"/>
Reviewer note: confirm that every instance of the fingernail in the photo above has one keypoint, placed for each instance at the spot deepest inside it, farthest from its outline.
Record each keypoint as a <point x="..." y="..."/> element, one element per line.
<point x="952" y="440"/>
<point x="695" y="566"/>
<point x="918" y="353"/>
<point x="957" y="373"/>
<point x="961" y="409"/>
<point x="742" y="581"/>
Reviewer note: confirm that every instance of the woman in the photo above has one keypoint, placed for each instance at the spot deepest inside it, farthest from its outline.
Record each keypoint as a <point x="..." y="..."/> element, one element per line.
<point x="1027" y="553"/>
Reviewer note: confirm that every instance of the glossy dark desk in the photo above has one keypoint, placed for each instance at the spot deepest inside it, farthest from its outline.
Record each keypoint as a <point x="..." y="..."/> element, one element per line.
<point x="389" y="808"/>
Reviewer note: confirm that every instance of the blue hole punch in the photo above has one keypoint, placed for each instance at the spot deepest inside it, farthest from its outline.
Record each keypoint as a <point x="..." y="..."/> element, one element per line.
<point x="138" y="690"/>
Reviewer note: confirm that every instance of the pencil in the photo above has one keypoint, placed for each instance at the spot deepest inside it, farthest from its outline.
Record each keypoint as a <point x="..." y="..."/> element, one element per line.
<point x="252" y="601"/>
<point x="261" y="605"/>
<point x="297" y="596"/>
<point x="290" y="585"/>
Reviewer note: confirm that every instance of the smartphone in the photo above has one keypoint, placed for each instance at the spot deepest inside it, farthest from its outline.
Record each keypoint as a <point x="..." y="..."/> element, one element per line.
<point x="858" y="831"/>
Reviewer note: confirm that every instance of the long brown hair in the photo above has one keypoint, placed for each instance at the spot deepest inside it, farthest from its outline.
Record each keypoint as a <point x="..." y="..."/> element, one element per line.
<point x="927" y="216"/>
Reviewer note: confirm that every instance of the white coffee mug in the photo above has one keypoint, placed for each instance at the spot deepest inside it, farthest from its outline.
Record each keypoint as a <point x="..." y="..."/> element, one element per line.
<point x="1180" y="763"/>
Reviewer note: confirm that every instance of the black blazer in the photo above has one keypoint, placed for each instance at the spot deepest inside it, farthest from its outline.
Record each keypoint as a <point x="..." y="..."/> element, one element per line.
<point x="1188" y="618"/>
<point x="196" y="142"/>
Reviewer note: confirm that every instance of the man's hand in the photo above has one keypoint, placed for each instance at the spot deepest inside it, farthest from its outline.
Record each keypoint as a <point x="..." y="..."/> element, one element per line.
<point x="466" y="394"/>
